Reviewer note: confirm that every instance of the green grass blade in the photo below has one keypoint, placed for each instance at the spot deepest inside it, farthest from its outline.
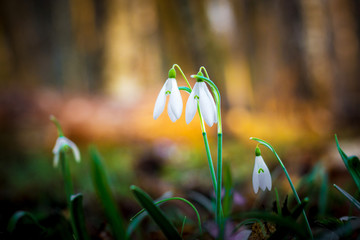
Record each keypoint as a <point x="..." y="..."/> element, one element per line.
<point x="352" y="164"/>
<point x="135" y="220"/>
<point x="282" y="231"/>
<point x="266" y="144"/>
<point x="77" y="213"/>
<point x="22" y="216"/>
<point x="155" y="213"/>
<point x="101" y="184"/>
<point x="182" y="227"/>
<point x="348" y="196"/>
<point x="174" y="198"/>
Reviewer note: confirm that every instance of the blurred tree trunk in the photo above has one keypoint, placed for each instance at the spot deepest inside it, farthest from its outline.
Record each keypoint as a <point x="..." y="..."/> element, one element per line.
<point x="184" y="24"/>
<point x="345" y="23"/>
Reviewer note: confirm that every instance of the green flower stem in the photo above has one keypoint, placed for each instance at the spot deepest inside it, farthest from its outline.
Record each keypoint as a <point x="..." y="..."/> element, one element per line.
<point x="57" y="124"/>
<point x="211" y="165"/>
<point x="67" y="177"/>
<point x="182" y="73"/>
<point x="206" y="142"/>
<point x="219" y="187"/>
<point x="266" y="144"/>
<point x="202" y="68"/>
<point x="216" y="93"/>
<point x="68" y="186"/>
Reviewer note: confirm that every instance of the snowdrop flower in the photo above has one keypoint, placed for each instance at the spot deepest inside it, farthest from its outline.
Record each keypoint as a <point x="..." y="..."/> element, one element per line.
<point x="201" y="94"/>
<point x="175" y="105"/>
<point x="261" y="175"/>
<point x="64" y="142"/>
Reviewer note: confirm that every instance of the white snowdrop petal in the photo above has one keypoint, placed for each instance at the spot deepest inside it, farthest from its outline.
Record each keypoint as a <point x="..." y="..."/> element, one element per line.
<point x="171" y="114"/>
<point x="267" y="176"/>
<point x="168" y="85"/>
<point x="75" y="149"/>
<point x="57" y="146"/>
<point x="255" y="180"/>
<point x="160" y="102"/>
<point x="56" y="160"/>
<point x="205" y="105"/>
<point x="210" y="96"/>
<point x="263" y="173"/>
<point x="262" y="181"/>
<point x="175" y="101"/>
<point x="191" y="104"/>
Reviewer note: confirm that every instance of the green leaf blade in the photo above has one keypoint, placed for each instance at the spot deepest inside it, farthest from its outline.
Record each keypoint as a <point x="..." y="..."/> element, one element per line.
<point x="155" y="213"/>
<point x="102" y="188"/>
<point x="78" y="217"/>
<point x="352" y="164"/>
<point x="348" y="196"/>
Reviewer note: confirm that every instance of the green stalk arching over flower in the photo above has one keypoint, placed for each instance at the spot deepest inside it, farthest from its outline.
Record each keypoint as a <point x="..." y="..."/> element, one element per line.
<point x="61" y="146"/>
<point x="266" y="144"/>
<point x="63" y="143"/>
<point x="217" y="96"/>
<point x="201" y="99"/>
<point x="172" y="73"/>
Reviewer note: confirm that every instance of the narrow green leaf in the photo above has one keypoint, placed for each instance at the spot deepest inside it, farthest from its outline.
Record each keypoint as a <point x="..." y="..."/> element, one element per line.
<point x="135" y="220"/>
<point x="101" y="184"/>
<point x="174" y="198"/>
<point x="266" y="144"/>
<point x="183" y="225"/>
<point x="22" y="216"/>
<point x="299" y="208"/>
<point x="228" y="185"/>
<point x="156" y="214"/>
<point x="282" y="231"/>
<point x="352" y="164"/>
<point x="78" y="217"/>
<point x="348" y="196"/>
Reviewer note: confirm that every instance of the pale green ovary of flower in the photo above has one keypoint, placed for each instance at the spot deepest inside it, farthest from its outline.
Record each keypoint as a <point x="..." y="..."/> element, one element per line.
<point x="261" y="175"/>
<point x="201" y="94"/>
<point x="62" y="142"/>
<point x="175" y="102"/>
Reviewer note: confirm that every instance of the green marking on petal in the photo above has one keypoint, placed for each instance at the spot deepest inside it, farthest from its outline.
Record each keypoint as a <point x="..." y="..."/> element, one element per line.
<point x="167" y="92"/>
<point x="260" y="170"/>
<point x="196" y="97"/>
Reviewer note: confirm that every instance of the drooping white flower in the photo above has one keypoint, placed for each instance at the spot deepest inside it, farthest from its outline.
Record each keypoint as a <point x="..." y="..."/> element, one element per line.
<point x="201" y="94"/>
<point x="261" y="174"/>
<point x="175" y="105"/>
<point x="63" y="142"/>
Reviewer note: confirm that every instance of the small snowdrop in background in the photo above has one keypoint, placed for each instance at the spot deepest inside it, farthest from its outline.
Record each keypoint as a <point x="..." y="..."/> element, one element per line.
<point x="261" y="174"/>
<point x="64" y="142"/>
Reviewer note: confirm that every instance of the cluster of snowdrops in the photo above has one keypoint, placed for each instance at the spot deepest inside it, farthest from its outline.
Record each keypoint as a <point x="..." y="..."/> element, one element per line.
<point x="208" y="105"/>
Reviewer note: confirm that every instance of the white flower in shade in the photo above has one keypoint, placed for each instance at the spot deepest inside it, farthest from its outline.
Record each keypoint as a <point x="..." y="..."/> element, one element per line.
<point x="261" y="174"/>
<point x="201" y="94"/>
<point x="62" y="142"/>
<point x="175" y="105"/>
